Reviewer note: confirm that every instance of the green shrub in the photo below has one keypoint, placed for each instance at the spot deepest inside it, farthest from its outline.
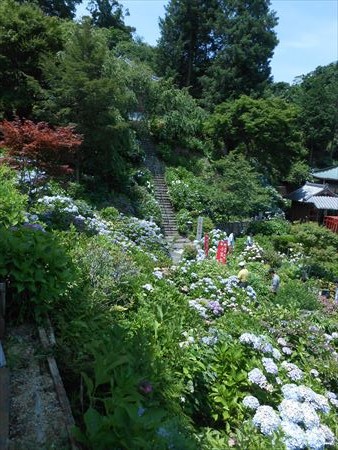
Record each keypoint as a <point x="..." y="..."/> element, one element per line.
<point x="125" y="409"/>
<point x="189" y="252"/>
<point x="270" y="227"/>
<point x="208" y="225"/>
<point x="184" y="220"/>
<point x="186" y="191"/>
<point x="37" y="268"/>
<point x="146" y="205"/>
<point x="311" y="234"/>
<point x="297" y="294"/>
<point x="319" y="245"/>
<point x="283" y="243"/>
<point x="109" y="213"/>
<point x="12" y="203"/>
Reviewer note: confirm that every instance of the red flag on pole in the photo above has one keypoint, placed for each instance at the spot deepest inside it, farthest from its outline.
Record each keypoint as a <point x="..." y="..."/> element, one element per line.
<point x="222" y="251"/>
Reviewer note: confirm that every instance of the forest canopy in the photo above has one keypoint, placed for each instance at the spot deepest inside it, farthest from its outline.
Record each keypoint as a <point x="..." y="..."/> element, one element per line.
<point x="206" y="88"/>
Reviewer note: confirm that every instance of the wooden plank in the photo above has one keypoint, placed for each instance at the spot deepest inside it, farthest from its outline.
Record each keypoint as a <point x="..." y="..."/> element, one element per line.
<point x="63" y="399"/>
<point x="4" y="408"/>
<point x="59" y="387"/>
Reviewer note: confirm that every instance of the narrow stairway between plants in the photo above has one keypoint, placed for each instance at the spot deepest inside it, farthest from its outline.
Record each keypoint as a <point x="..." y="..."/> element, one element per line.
<point x="169" y="225"/>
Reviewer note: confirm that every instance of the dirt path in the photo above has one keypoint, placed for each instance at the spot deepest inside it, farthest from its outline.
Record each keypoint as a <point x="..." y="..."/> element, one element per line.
<point x="36" y="418"/>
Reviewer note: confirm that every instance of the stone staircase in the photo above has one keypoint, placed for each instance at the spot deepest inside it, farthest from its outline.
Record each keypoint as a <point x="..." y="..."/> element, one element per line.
<point x="168" y="216"/>
<point x="169" y="225"/>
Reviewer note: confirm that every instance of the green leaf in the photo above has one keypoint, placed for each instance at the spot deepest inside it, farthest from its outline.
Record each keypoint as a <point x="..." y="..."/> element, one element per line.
<point x="93" y="421"/>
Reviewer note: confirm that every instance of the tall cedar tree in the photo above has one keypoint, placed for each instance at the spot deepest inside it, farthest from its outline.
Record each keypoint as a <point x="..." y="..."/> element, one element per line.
<point x="220" y="48"/>
<point x="245" y="43"/>
<point x="32" y="145"/>
<point x="187" y="44"/>
<point x="26" y="36"/>
<point x="87" y="89"/>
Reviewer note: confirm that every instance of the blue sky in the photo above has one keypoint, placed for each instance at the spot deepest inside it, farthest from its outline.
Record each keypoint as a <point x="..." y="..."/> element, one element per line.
<point x="307" y="32"/>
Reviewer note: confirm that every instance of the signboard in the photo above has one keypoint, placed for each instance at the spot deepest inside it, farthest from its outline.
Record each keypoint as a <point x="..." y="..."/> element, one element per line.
<point x="206" y="244"/>
<point x="222" y="251"/>
<point x="199" y="228"/>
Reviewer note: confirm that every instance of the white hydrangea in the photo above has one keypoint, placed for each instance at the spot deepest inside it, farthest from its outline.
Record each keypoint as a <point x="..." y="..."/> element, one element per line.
<point x="148" y="287"/>
<point x="290" y="392"/>
<point x="314" y="373"/>
<point x="282" y="342"/>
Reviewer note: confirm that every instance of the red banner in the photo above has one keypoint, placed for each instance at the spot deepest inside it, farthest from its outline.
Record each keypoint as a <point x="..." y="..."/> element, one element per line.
<point x="206" y="244"/>
<point x="222" y="251"/>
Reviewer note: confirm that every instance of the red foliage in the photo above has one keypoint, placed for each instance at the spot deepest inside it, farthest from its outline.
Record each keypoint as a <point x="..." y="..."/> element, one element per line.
<point x="38" y="145"/>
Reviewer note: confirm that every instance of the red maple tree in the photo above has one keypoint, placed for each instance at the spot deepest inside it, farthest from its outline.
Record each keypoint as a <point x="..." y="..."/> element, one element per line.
<point x="38" y="145"/>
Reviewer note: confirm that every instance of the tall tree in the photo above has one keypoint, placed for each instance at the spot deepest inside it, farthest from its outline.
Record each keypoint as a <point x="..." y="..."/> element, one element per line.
<point x="317" y="96"/>
<point x="264" y="130"/>
<point x="65" y="9"/>
<point x="26" y="36"/>
<point x="222" y="46"/>
<point x="107" y="14"/>
<point x="187" y="45"/>
<point x="87" y="88"/>
<point x="245" y="43"/>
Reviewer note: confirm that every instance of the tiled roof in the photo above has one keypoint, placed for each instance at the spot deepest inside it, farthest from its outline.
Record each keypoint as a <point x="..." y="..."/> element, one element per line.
<point x="321" y="202"/>
<point x="307" y="191"/>
<point x="327" y="174"/>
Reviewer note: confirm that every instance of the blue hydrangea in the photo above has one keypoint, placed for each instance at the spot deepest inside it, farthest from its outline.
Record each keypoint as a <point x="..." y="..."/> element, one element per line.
<point x="287" y="351"/>
<point x="266" y="419"/>
<point x="310" y="417"/>
<point x="291" y="411"/>
<point x="295" y="438"/>
<point x="329" y="436"/>
<point x="250" y="402"/>
<point x="291" y="392"/>
<point x="276" y="353"/>
<point x="270" y="366"/>
<point x="292" y="371"/>
<point x="256" y="376"/>
<point x="315" y="438"/>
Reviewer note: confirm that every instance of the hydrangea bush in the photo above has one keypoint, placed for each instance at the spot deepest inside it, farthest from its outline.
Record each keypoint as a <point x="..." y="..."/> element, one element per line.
<point x="190" y="344"/>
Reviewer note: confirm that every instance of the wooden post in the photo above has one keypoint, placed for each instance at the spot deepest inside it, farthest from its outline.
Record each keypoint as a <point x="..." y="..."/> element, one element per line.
<point x="4" y="407"/>
<point x="2" y="309"/>
<point x="59" y="387"/>
<point x="2" y="299"/>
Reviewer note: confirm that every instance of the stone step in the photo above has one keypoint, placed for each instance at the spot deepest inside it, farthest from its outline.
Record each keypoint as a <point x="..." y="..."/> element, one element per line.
<point x="163" y="196"/>
<point x="165" y="200"/>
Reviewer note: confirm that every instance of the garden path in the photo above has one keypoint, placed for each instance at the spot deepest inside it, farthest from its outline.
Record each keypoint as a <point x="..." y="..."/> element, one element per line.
<point x="36" y="418"/>
<point x="169" y="225"/>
